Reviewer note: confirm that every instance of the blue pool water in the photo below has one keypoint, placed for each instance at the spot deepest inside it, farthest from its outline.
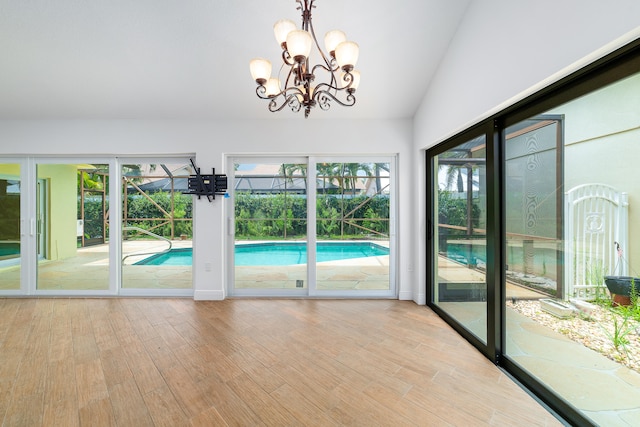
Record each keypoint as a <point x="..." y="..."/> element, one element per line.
<point x="277" y="253"/>
<point x="9" y="249"/>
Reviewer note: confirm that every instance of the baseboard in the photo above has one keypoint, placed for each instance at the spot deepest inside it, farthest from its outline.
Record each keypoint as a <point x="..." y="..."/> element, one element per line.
<point x="420" y="298"/>
<point x="405" y="295"/>
<point x="206" y="295"/>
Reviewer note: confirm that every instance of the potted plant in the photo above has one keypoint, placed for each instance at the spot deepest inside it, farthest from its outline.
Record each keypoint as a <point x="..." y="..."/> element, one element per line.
<point x="622" y="288"/>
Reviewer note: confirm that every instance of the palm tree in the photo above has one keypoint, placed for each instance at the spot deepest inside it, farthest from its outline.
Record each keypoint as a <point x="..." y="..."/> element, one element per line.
<point x="326" y="171"/>
<point x="288" y="171"/>
<point x="344" y="175"/>
<point x="350" y="173"/>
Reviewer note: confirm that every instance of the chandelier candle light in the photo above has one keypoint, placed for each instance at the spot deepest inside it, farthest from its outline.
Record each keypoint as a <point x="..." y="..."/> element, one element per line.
<point x="298" y="87"/>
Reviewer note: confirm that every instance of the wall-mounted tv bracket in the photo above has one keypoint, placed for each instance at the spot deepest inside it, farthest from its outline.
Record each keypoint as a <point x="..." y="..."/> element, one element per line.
<point x="207" y="185"/>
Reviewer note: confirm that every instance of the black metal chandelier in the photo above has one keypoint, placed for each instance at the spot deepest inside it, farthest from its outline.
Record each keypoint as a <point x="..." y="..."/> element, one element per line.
<point x="299" y="84"/>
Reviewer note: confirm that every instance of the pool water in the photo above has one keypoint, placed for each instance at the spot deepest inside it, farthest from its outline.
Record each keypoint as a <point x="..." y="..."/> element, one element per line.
<point x="277" y="253"/>
<point x="179" y="257"/>
<point x="9" y="249"/>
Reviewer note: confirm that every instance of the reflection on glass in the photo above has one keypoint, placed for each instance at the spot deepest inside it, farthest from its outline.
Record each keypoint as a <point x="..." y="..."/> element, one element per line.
<point x="460" y="280"/>
<point x="583" y="153"/>
<point x="9" y="226"/>
<point x="352" y="217"/>
<point x="270" y="226"/>
<point x="533" y="153"/>
<point x="72" y="255"/>
<point x="157" y="226"/>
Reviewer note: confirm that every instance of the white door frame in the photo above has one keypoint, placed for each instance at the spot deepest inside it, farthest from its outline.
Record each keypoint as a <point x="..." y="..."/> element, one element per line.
<point x="311" y="290"/>
<point x="28" y="224"/>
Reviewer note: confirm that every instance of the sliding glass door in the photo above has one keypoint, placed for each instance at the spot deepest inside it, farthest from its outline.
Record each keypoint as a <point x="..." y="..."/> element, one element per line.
<point x="353" y="227"/>
<point x="531" y="253"/>
<point x="312" y="227"/>
<point x="57" y="234"/>
<point x="157" y="226"/>
<point x="569" y="237"/>
<point x="460" y="235"/>
<point x="270" y="237"/>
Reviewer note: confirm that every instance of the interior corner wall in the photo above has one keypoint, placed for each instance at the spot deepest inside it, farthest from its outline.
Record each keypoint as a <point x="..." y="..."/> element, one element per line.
<point x="211" y="141"/>
<point x="504" y="50"/>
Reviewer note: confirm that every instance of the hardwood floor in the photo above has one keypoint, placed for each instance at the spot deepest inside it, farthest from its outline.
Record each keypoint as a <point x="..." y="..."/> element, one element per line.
<point x="246" y="362"/>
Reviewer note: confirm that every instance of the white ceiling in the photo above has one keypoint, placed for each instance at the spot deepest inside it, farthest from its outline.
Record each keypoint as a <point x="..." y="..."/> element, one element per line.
<point x="188" y="59"/>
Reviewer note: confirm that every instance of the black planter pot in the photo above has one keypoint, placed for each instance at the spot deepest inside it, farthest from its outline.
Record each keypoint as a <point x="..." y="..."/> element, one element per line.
<point x="621" y="285"/>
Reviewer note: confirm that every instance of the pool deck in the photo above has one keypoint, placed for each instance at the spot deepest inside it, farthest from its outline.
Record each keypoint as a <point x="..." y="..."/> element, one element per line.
<point x="93" y="262"/>
<point x="89" y="270"/>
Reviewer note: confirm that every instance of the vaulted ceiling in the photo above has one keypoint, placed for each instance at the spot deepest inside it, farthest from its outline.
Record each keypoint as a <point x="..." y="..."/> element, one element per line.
<point x="188" y="59"/>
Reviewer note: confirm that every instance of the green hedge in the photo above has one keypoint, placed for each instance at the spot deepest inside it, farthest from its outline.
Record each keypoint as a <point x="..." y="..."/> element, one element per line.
<point x="259" y="216"/>
<point x="10" y="217"/>
<point x="284" y="216"/>
<point x="453" y="210"/>
<point x="139" y="209"/>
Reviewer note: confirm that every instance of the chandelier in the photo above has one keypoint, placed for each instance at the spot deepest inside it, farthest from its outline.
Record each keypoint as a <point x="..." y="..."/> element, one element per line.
<point x="299" y="84"/>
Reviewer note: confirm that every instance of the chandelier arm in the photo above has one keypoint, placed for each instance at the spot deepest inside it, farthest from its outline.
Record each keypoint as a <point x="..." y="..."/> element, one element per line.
<point x="290" y="75"/>
<point x="292" y="91"/>
<point x="328" y="87"/>
<point x="333" y="84"/>
<point x="348" y="77"/>
<point x="286" y="58"/>
<point x="290" y="100"/>
<point x="261" y="91"/>
<point x="323" y="67"/>
<point x="324" y="98"/>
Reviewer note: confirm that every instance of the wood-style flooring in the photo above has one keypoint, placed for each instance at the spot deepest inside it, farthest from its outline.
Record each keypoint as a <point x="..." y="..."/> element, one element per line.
<point x="246" y="362"/>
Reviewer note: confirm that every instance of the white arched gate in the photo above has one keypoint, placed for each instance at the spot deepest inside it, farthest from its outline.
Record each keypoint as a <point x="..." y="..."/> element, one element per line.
<point x="596" y="222"/>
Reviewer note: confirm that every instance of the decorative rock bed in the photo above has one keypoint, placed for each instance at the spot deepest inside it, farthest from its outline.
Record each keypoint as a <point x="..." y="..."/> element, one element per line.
<point x="592" y="329"/>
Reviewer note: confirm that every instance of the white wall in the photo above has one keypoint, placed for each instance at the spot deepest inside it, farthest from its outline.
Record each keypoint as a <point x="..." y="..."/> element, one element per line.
<point x="503" y="50"/>
<point x="504" y="47"/>
<point x="210" y="141"/>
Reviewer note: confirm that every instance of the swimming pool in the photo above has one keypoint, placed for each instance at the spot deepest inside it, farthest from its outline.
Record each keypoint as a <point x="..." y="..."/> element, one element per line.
<point x="277" y="253"/>
<point x="9" y="249"/>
